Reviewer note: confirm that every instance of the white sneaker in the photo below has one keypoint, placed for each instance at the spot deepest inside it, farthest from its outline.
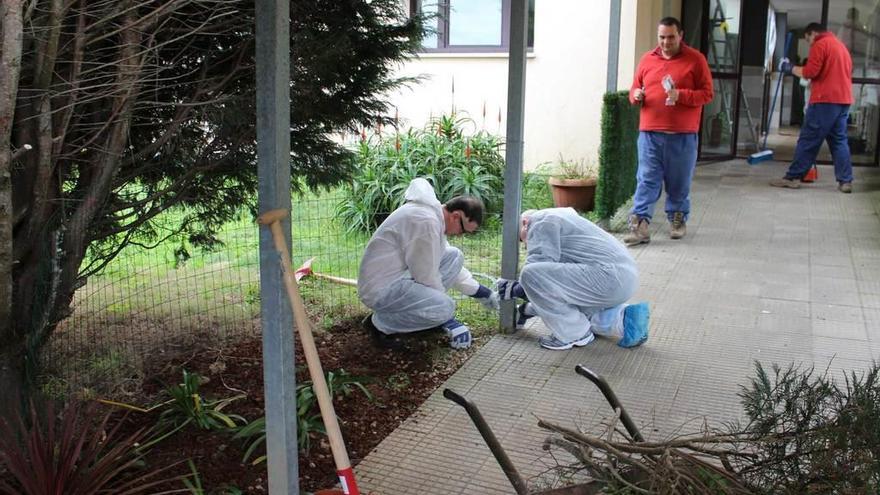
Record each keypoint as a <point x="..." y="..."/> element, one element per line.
<point x="555" y="344"/>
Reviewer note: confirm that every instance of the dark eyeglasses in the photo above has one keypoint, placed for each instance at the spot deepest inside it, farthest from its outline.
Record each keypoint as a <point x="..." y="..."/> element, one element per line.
<point x="461" y="223"/>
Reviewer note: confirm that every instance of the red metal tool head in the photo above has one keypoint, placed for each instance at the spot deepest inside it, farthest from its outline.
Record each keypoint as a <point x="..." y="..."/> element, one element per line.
<point x="304" y="270"/>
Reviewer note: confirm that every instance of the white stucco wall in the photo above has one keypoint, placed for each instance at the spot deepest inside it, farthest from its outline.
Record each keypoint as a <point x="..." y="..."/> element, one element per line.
<point x="629" y="54"/>
<point x="565" y="81"/>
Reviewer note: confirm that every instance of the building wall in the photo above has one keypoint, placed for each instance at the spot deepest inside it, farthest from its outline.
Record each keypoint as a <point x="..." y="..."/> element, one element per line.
<point x="648" y="13"/>
<point x="565" y="81"/>
<point x="629" y="53"/>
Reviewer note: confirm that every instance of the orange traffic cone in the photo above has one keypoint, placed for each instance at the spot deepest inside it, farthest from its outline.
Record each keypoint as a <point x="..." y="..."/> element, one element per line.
<point x="812" y="174"/>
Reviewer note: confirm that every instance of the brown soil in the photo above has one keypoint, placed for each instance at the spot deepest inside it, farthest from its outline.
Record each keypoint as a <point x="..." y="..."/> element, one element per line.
<point x="399" y="382"/>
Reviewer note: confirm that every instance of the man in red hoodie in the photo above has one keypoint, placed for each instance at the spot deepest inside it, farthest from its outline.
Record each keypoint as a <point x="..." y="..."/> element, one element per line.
<point x="829" y="69"/>
<point x="672" y="83"/>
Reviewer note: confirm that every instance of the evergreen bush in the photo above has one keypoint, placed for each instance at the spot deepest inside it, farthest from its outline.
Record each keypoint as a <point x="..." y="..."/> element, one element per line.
<point x="618" y="153"/>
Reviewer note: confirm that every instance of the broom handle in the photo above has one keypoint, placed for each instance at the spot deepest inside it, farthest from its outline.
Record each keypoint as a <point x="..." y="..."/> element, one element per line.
<point x="776" y="93"/>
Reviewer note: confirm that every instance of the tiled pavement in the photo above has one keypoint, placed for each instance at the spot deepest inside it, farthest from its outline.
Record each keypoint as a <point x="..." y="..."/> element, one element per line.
<point x="764" y="274"/>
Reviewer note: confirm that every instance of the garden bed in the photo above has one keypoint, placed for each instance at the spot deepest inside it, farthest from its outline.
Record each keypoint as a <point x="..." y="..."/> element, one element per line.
<point x="398" y="381"/>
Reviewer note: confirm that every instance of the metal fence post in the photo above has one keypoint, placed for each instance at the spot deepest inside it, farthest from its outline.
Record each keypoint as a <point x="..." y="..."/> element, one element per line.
<point x="516" y="98"/>
<point x="273" y="165"/>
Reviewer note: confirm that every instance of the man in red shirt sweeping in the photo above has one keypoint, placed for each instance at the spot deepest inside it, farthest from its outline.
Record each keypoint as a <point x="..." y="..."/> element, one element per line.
<point x="829" y="69"/>
<point x="672" y="83"/>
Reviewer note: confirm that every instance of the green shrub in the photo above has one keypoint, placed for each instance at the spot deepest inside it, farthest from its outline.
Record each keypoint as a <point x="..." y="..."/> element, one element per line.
<point x="452" y="161"/>
<point x="188" y="406"/>
<point x="618" y="153"/>
<point x="308" y="421"/>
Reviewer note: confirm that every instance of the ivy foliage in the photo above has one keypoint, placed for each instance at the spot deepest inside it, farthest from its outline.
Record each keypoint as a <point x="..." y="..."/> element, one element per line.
<point x="618" y="153"/>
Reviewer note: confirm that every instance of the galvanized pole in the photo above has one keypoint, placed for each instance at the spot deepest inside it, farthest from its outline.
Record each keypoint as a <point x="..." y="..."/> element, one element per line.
<point x="516" y="98"/>
<point x="273" y="165"/>
<point x="613" y="46"/>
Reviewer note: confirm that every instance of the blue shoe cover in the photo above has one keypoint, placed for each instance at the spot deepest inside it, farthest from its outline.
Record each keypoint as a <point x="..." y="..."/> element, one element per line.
<point x="635" y="325"/>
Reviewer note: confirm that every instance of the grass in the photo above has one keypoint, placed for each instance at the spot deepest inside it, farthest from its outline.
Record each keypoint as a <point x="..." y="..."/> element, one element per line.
<point x="146" y="302"/>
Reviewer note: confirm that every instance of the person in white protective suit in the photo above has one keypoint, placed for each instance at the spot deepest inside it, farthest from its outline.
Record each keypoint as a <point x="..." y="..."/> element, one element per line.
<point x="577" y="278"/>
<point x="408" y="266"/>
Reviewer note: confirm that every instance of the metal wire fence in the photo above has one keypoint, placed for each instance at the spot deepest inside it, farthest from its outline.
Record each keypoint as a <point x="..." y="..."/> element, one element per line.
<point x="152" y="303"/>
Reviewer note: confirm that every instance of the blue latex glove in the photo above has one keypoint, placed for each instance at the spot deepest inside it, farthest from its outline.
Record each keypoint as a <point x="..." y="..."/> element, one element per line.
<point x="488" y="298"/>
<point x="509" y="289"/>
<point x="785" y="66"/>
<point x="459" y="334"/>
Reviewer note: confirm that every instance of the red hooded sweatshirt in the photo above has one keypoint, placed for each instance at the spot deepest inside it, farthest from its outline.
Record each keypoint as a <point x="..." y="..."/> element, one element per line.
<point x="829" y="69"/>
<point x="690" y="73"/>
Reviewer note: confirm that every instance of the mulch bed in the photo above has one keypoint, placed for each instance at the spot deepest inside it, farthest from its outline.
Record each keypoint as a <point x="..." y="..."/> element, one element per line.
<point x="399" y="381"/>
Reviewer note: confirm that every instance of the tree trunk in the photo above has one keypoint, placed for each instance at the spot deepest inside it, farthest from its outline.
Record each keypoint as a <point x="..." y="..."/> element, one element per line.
<point x="10" y="66"/>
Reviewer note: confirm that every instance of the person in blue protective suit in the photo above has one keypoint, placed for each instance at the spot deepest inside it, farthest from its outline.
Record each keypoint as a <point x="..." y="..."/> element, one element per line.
<point x="577" y="278"/>
<point x="408" y="265"/>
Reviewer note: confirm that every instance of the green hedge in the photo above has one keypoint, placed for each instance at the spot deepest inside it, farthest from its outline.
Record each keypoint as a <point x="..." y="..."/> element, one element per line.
<point x="618" y="154"/>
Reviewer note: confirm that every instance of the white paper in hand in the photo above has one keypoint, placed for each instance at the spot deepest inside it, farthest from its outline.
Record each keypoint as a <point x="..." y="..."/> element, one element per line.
<point x="668" y="85"/>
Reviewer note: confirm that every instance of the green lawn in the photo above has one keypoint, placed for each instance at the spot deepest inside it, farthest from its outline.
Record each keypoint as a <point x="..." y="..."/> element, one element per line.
<point x="145" y="302"/>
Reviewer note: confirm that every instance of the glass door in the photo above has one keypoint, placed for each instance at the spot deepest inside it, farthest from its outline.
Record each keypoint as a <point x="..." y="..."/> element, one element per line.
<point x="713" y="27"/>
<point x="857" y="24"/>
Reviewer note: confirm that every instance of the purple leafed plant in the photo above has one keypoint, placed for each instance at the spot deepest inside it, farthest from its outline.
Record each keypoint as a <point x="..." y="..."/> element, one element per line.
<point x="72" y="453"/>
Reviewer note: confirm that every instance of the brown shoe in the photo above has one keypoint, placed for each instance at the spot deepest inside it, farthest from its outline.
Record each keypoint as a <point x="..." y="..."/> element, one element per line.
<point x="638" y="231"/>
<point x="678" y="228"/>
<point x="783" y="182"/>
<point x="845" y="187"/>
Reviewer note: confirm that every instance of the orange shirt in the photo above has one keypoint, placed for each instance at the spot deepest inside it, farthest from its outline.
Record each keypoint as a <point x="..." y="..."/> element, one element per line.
<point x="690" y="72"/>
<point x="829" y="69"/>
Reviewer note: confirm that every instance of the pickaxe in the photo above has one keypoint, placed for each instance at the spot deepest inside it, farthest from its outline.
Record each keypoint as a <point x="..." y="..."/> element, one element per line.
<point x="306" y="269"/>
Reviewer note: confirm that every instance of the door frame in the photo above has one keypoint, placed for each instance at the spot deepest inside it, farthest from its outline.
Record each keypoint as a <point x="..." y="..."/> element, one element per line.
<point x="736" y="75"/>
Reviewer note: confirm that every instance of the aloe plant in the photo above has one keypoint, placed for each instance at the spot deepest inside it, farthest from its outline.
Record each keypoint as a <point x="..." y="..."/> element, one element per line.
<point x="452" y="161"/>
<point x="339" y="383"/>
<point x="188" y="406"/>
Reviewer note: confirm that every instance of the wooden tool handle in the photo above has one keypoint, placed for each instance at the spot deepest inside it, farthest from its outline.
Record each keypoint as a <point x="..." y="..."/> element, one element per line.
<point x="339" y="280"/>
<point x="319" y="383"/>
<point x="272" y="216"/>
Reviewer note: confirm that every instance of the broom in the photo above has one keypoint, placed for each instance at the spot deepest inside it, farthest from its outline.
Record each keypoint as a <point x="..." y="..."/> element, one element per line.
<point x="766" y="154"/>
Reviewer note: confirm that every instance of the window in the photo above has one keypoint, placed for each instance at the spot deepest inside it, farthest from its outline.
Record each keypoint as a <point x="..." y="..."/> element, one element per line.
<point x="469" y="25"/>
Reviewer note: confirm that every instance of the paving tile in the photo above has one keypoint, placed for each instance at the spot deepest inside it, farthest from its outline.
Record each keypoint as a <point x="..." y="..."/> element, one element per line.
<point x="764" y="276"/>
<point x="831" y="260"/>
<point x="774" y="323"/>
<point x="869" y="286"/>
<point x="833" y="271"/>
<point x="783" y="290"/>
<point x="783" y="307"/>
<point x="839" y="349"/>
<point x="837" y="312"/>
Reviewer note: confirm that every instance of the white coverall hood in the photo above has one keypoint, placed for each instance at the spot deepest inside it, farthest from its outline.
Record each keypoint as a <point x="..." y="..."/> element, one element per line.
<point x="420" y="191"/>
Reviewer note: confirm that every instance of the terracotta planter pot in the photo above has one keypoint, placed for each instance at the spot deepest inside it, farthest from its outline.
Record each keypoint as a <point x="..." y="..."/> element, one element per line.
<point x="579" y="194"/>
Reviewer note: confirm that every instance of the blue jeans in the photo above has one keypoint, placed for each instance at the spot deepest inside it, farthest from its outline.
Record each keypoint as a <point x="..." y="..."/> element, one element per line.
<point x="823" y="121"/>
<point x="665" y="159"/>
